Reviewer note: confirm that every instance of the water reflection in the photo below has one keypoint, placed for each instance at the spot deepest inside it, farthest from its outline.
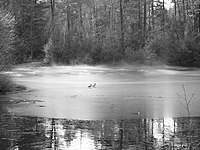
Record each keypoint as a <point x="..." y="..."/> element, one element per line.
<point x="23" y="133"/>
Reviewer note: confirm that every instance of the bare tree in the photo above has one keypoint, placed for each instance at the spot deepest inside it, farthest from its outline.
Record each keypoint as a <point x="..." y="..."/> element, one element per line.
<point x="186" y="100"/>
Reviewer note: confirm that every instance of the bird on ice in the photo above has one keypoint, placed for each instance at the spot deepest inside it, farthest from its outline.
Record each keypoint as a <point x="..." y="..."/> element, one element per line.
<point x="94" y="85"/>
<point x="89" y="86"/>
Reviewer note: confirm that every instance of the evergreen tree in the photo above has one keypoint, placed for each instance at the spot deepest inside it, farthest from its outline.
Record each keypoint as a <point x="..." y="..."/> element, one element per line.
<point x="30" y="29"/>
<point x="7" y="38"/>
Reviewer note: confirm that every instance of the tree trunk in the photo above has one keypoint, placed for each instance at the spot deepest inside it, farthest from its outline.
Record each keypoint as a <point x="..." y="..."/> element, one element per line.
<point x="163" y="16"/>
<point x="96" y="27"/>
<point x="145" y="17"/>
<point x="81" y="20"/>
<point x="149" y="18"/>
<point x="199" y="17"/>
<point x="193" y="13"/>
<point x="112" y="15"/>
<point x="184" y="16"/>
<point x="179" y="10"/>
<point x="110" y="22"/>
<point x="122" y="28"/>
<point x="139" y="15"/>
<point x="175" y="9"/>
<point x="152" y="13"/>
<point x="50" y="38"/>
<point x="91" y="24"/>
<point x="69" y="25"/>
<point x="31" y="30"/>
<point x="187" y="7"/>
<point x="52" y="14"/>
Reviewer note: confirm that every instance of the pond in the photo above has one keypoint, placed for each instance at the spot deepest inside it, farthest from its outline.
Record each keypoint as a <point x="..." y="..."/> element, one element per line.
<point x="125" y="108"/>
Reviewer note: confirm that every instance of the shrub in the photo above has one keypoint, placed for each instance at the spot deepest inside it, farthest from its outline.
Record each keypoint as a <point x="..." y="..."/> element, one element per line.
<point x="96" y="54"/>
<point x="136" y="56"/>
<point x="6" y="84"/>
<point x="174" y="49"/>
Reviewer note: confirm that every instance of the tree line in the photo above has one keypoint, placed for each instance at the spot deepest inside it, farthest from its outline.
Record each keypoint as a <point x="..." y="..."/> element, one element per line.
<point x="100" y="31"/>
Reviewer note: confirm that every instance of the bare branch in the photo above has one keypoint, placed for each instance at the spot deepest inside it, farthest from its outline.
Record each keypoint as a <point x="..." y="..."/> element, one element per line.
<point x="187" y="101"/>
<point x="191" y="98"/>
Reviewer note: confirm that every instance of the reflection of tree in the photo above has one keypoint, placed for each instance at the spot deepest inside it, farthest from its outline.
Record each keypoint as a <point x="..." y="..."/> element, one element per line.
<point x="188" y="130"/>
<point x="31" y="141"/>
<point x="31" y="133"/>
<point x="69" y="136"/>
<point x="53" y="138"/>
<point x="21" y="132"/>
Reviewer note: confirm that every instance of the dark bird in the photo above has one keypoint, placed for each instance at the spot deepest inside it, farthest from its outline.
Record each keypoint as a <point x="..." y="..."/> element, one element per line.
<point x="89" y="86"/>
<point x="94" y="85"/>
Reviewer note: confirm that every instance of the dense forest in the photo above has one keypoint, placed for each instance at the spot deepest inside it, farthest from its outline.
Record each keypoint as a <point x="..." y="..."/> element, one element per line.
<point x="100" y="31"/>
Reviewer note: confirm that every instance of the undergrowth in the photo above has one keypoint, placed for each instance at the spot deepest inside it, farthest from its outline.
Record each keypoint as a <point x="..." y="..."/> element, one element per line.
<point x="7" y="85"/>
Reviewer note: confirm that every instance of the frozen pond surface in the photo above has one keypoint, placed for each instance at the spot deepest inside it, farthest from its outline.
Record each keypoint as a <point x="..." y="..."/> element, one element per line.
<point x="120" y="92"/>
